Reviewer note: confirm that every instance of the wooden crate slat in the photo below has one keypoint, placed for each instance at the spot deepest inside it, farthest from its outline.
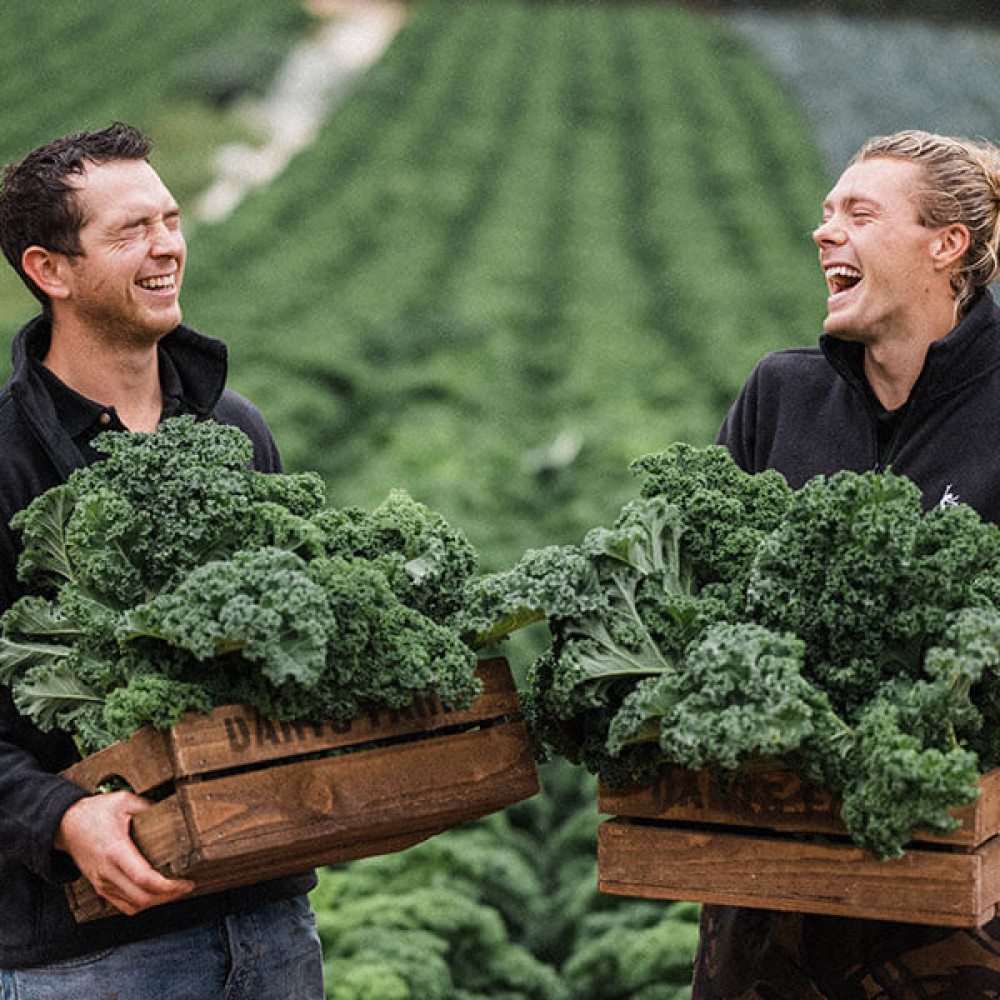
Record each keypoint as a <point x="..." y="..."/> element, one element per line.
<point x="143" y="761"/>
<point x="234" y="735"/>
<point x="439" y="781"/>
<point x="776" y="799"/>
<point x="925" y="886"/>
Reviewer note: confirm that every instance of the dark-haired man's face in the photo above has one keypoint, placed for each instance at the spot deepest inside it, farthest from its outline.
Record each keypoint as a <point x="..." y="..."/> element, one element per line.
<point x="126" y="282"/>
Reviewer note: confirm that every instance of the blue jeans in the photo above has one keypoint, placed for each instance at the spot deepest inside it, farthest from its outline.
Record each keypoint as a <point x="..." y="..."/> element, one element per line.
<point x="271" y="953"/>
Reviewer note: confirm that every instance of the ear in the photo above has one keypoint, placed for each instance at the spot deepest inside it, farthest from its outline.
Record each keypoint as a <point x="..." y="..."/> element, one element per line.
<point x="46" y="270"/>
<point x="950" y="245"/>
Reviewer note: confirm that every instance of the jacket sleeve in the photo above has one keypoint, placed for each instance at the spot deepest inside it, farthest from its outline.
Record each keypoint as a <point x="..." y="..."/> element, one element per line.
<point x="737" y="430"/>
<point x="33" y="797"/>
<point x="238" y="411"/>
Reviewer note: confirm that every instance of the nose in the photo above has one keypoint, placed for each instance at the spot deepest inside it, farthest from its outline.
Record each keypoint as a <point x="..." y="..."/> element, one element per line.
<point x="828" y="233"/>
<point x="166" y="239"/>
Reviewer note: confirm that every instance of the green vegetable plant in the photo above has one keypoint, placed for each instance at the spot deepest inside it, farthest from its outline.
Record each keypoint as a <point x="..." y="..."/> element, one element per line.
<point x="171" y="576"/>
<point x="724" y="620"/>
<point x="505" y="907"/>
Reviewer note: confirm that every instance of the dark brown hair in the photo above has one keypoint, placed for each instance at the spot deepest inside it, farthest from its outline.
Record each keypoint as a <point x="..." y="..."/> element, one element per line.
<point x="38" y="203"/>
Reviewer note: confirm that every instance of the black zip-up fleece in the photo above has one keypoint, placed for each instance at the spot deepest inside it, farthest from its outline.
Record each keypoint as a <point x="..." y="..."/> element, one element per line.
<point x="36" y="452"/>
<point x="807" y="412"/>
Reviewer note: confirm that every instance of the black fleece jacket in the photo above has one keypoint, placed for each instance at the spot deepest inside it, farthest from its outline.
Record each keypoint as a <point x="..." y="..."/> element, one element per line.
<point x="807" y="412"/>
<point x="44" y="434"/>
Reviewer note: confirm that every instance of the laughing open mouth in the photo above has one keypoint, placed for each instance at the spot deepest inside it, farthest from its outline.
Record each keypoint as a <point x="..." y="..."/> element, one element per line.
<point x="842" y="278"/>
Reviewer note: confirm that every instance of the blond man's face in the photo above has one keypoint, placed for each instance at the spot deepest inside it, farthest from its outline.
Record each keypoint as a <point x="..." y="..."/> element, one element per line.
<point x="876" y="255"/>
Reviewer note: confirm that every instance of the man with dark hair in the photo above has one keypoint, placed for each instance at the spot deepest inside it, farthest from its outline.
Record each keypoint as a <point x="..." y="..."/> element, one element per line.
<point x="96" y="236"/>
<point x="38" y="207"/>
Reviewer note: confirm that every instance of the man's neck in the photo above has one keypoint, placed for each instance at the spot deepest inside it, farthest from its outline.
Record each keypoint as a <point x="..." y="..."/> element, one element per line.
<point x="893" y="371"/>
<point x="123" y="376"/>
<point x="894" y="360"/>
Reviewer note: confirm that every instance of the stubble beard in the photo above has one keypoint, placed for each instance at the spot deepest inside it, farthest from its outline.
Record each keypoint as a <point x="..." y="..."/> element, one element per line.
<point x="118" y="332"/>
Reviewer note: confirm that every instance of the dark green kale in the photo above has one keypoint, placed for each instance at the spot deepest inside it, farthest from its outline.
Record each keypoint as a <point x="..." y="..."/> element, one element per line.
<point x="621" y="606"/>
<point x="724" y="619"/>
<point x="725" y="510"/>
<point x="866" y="580"/>
<point x="738" y="695"/>
<point x="171" y="577"/>
<point x="894" y="784"/>
<point x="259" y="603"/>
<point x="426" y="560"/>
<point x="152" y="698"/>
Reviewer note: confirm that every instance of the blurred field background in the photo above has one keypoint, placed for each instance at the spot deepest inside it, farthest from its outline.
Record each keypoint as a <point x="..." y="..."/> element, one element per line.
<point x="530" y="243"/>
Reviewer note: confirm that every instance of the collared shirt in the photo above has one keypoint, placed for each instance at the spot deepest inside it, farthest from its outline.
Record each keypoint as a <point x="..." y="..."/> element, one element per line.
<point x="83" y="419"/>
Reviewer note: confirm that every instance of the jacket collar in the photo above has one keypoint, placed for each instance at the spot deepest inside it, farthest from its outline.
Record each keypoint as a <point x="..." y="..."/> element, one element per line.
<point x="193" y="372"/>
<point x="199" y="362"/>
<point x="968" y="353"/>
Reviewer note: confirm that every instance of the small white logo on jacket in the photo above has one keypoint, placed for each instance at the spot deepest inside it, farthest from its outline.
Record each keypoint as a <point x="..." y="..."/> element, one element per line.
<point x="949" y="499"/>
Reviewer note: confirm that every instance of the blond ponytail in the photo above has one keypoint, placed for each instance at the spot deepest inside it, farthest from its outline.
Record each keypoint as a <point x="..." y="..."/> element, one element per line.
<point x="961" y="184"/>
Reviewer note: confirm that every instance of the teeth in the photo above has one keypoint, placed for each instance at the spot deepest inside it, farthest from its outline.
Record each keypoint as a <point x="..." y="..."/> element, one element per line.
<point x="840" y="271"/>
<point x="167" y="281"/>
<point x="841" y="278"/>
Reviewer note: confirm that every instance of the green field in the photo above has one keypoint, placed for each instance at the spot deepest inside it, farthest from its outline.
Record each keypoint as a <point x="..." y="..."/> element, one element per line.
<point x="539" y="242"/>
<point x="536" y="242"/>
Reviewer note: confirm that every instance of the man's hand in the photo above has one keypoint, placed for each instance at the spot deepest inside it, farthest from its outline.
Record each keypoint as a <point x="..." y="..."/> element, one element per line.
<point x="95" y="832"/>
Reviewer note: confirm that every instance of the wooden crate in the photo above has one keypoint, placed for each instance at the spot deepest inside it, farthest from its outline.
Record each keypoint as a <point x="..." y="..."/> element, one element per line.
<point x="771" y="842"/>
<point x="250" y="798"/>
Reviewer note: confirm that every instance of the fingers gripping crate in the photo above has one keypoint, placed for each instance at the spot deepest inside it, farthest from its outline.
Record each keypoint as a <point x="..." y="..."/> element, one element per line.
<point x="771" y="842"/>
<point x="251" y="799"/>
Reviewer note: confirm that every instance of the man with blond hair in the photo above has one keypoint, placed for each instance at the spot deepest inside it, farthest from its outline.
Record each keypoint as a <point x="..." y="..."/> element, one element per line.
<point x="907" y="375"/>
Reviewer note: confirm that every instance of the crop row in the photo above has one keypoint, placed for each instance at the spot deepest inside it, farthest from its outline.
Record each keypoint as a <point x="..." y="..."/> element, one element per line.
<point x="72" y="65"/>
<point x="533" y="225"/>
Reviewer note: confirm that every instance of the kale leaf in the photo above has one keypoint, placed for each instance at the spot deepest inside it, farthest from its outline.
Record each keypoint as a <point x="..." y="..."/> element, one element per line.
<point x="724" y="620"/>
<point x="171" y="576"/>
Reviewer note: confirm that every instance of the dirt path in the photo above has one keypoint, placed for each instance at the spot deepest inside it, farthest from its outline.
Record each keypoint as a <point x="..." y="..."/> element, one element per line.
<point x="319" y="72"/>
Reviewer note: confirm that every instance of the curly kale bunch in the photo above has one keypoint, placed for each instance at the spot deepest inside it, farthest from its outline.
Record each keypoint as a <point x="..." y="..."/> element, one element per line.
<point x="171" y="576"/>
<point x="724" y="619"/>
<point x="625" y="607"/>
<point x="725" y="510"/>
<point x="867" y="580"/>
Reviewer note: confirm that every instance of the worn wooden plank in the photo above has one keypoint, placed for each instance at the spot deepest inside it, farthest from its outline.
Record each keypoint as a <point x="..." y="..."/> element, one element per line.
<point x="143" y="761"/>
<point x="989" y="876"/>
<point x="981" y="820"/>
<point x="775" y="799"/>
<point x="438" y="781"/>
<point x="925" y="886"/>
<point x="235" y="736"/>
<point x="237" y="829"/>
